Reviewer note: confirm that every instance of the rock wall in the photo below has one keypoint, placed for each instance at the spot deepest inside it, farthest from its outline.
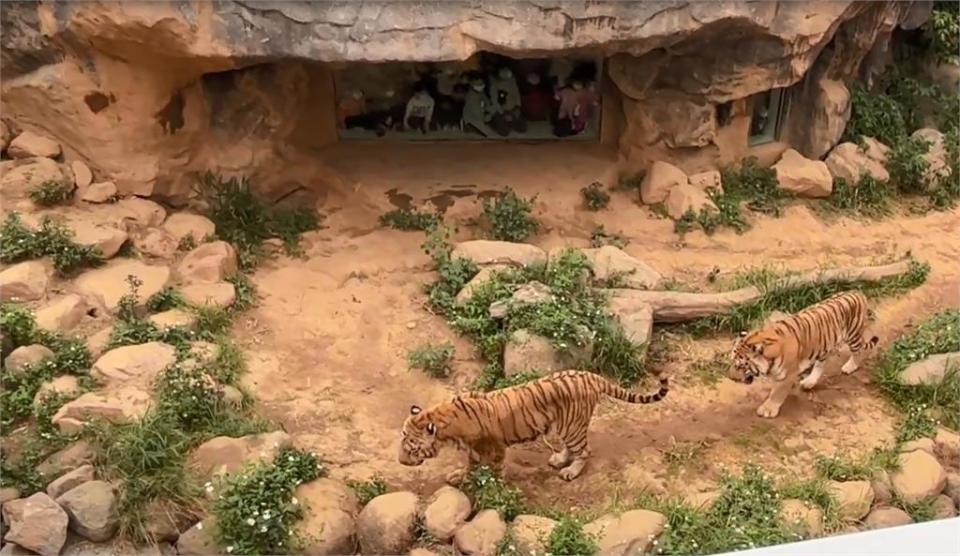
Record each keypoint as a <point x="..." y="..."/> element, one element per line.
<point x="149" y="92"/>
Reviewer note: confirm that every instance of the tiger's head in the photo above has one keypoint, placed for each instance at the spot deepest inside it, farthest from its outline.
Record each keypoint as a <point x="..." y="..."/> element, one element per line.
<point x="418" y="438"/>
<point x="749" y="358"/>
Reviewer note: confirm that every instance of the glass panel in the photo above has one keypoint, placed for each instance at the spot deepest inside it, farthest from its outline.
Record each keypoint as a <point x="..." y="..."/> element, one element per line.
<point x="486" y="97"/>
<point x="766" y="116"/>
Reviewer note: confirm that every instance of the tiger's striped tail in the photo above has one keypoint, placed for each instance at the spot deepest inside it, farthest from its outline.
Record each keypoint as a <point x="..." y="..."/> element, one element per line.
<point x="619" y="393"/>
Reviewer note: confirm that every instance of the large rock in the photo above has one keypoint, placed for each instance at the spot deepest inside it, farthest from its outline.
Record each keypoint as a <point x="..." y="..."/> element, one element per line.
<point x="119" y="405"/>
<point x="531" y="533"/>
<point x="64" y="313"/>
<point x="199" y="540"/>
<point x="220" y="294"/>
<point x="211" y="262"/>
<point x="482" y="535"/>
<point x="686" y="198"/>
<point x="936" y="156"/>
<point x="881" y="518"/>
<point x="854" y="498"/>
<point x="26" y="281"/>
<point x="82" y="176"/>
<point x="29" y="144"/>
<point x="163" y="521"/>
<point x="528" y="294"/>
<point x="155" y="242"/>
<point x="100" y="192"/>
<point x="109" y="282"/>
<point x="181" y="225"/>
<point x="41" y="526"/>
<point x="64" y="385"/>
<point x="803" y="177"/>
<point x="609" y="262"/>
<point x="947" y="447"/>
<point x="660" y="180"/>
<point x="223" y="454"/>
<point x="943" y="507"/>
<point x="63" y="461"/>
<point x="329" y="523"/>
<point x="92" y="508"/>
<point x="24" y="356"/>
<point x="69" y="481"/>
<point x="174" y="318"/>
<point x="634" y="317"/>
<point x="107" y="239"/>
<point x="140" y="212"/>
<point x="920" y="477"/>
<point x="484" y="252"/>
<point x="850" y="162"/>
<point x="446" y="510"/>
<point x="802" y="518"/>
<point x="826" y="117"/>
<point x="631" y="532"/>
<point x="142" y="361"/>
<point x="528" y="352"/>
<point x="387" y="524"/>
<point x="466" y="292"/>
<point x="24" y="175"/>
<point x="930" y="370"/>
<point x="97" y="342"/>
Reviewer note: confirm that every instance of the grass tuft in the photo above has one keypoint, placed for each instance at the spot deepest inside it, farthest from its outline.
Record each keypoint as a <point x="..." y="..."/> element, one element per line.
<point x="594" y="197"/>
<point x="509" y="217"/>
<point x="434" y="360"/>
<point x="410" y="220"/>
<point x="50" y="193"/>
<point x="54" y="240"/>
<point x="369" y="489"/>
<point x="490" y="492"/>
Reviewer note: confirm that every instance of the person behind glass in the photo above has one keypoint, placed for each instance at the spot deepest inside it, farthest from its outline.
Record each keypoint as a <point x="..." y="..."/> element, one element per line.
<point x="505" y="96"/>
<point x="477" y="109"/>
<point x="419" y="110"/>
<point x="536" y="99"/>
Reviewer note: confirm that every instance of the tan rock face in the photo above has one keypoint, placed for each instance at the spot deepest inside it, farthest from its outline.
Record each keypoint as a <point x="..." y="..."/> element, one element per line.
<point x="92" y="508"/>
<point x="140" y="212"/>
<point x="66" y="385"/>
<point x="920" y="477"/>
<point x="930" y="370"/>
<point x="659" y="181"/>
<point x="629" y="533"/>
<point x="853" y="497"/>
<point x="850" y="162"/>
<point x="26" y="281"/>
<point x="29" y="144"/>
<point x="485" y="252"/>
<point x="485" y="273"/>
<point x="156" y="242"/>
<point x="634" y="317"/>
<point x="40" y="525"/>
<point x="100" y="192"/>
<point x="609" y="262"/>
<point x="139" y="362"/>
<point x="209" y="263"/>
<point x="173" y="318"/>
<point x="223" y="454"/>
<point x="105" y="238"/>
<point x="109" y="282"/>
<point x="82" y="176"/>
<point x="63" y="313"/>
<point x="69" y="481"/>
<point x="220" y="294"/>
<point x="531" y="533"/>
<point x="446" y="510"/>
<point x="120" y="405"/>
<point x="182" y="224"/>
<point x="331" y="507"/>
<point x="803" y="177"/>
<point x="685" y="198"/>
<point x="386" y="525"/>
<point x="802" y="518"/>
<point x="881" y="518"/>
<point x="24" y="356"/>
<point x="481" y="535"/>
<point x="199" y="540"/>
<point x="66" y="460"/>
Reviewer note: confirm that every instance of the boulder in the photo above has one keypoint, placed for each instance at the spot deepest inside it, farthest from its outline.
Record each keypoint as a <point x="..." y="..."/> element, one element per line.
<point x="142" y="361"/>
<point x="876" y="150"/>
<point x="531" y="533"/>
<point x="64" y="313"/>
<point x="952" y="488"/>
<point x="140" y="212"/>
<point x="484" y="252"/>
<point x="17" y="181"/>
<point x="107" y="239"/>
<point x="882" y="488"/>
<point x="708" y="180"/>
<point x="92" y="508"/>
<point x="635" y="318"/>
<point x="5" y="135"/>
<point x="199" y="540"/>
<point x="631" y="532"/>
<point x="63" y="461"/>
<point x="684" y="198"/>
<point x="803" y="177"/>
<point x="208" y="263"/>
<point x="930" y="370"/>
<point x="883" y="517"/>
<point x="64" y="385"/>
<point x="530" y="293"/>
<point x="482" y="535"/>
<point x="220" y="294"/>
<point x="947" y="446"/>
<point x="155" y="242"/>
<point x="387" y="524"/>
<point x="82" y="176"/>
<point x="828" y="117"/>
<point x="854" y="498"/>
<point x="24" y="356"/>
<point x="609" y="262"/>
<point x="163" y="521"/>
<point x="528" y="352"/>
<point x="26" y="281"/>
<point x="802" y="518"/>
<point x="329" y="524"/>
<point x="174" y="318"/>
<point x="41" y="526"/>
<point x="936" y="156"/>
<point x="29" y="144"/>
<point x="920" y="477"/>
<point x="925" y="444"/>
<point x="109" y="282"/>
<point x="660" y="180"/>
<point x="446" y="511"/>
<point x="223" y="454"/>
<point x="100" y="192"/>
<point x="181" y="225"/>
<point x="69" y="481"/>
<point x="119" y="405"/>
<point x="98" y="341"/>
<point x="7" y="494"/>
<point x="850" y="162"/>
<point x="943" y="507"/>
<point x="466" y="292"/>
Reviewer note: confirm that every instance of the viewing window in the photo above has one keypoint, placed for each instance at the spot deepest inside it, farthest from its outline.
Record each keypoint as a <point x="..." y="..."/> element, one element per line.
<point x="767" y="110"/>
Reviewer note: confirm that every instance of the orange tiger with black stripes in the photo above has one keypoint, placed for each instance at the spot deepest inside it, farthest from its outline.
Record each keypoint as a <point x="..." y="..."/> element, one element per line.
<point x="785" y="349"/>
<point x="484" y="424"/>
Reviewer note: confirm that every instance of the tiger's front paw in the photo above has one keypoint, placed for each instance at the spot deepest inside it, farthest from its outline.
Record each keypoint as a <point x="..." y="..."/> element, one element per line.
<point x="768" y="410"/>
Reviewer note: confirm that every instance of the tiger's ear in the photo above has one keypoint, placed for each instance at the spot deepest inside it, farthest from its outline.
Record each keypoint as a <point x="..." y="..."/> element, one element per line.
<point x="415" y="410"/>
<point x="431" y="428"/>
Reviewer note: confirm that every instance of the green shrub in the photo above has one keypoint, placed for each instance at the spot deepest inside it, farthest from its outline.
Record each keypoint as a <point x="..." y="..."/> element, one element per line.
<point x="868" y="197"/>
<point x="510" y="217"/>
<point x="53" y="240"/>
<point x="907" y="165"/>
<point x="630" y="181"/>
<point x="492" y="378"/>
<point x="166" y="299"/>
<point x="490" y="492"/>
<point x="569" y="539"/>
<point x="874" y="115"/>
<point x="50" y="193"/>
<point x="600" y="237"/>
<point x="256" y="510"/>
<point x="755" y="185"/>
<point x="246" y="292"/>
<point x="944" y="30"/>
<point x="369" y="489"/>
<point x="432" y="359"/>
<point x="410" y="220"/>
<point x="614" y="355"/>
<point x="594" y="197"/>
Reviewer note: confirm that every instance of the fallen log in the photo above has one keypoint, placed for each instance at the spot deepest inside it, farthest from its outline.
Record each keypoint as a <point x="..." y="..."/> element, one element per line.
<point x="671" y="306"/>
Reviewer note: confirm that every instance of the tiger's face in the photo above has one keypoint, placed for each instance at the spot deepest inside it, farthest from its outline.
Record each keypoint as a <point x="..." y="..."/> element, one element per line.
<point x="748" y="360"/>
<point x="418" y="439"/>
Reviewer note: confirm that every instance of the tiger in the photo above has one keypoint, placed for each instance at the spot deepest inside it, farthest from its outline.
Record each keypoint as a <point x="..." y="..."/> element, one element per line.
<point x="483" y="424"/>
<point x="784" y="350"/>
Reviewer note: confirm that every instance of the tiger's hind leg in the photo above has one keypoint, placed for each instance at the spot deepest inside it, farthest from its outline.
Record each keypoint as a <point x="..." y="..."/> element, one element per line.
<point x="575" y="441"/>
<point x="813" y="378"/>
<point x="559" y="458"/>
<point x="857" y="345"/>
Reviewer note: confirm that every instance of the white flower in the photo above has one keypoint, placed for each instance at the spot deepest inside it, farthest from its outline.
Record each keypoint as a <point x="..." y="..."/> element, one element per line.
<point x="209" y="488"/>
<point x="263" y="529"/>
<point x="200" y="526"/>
<point x="251" y="522"/>
<point x="229" y="549"/>
<point x="295" y="501"/>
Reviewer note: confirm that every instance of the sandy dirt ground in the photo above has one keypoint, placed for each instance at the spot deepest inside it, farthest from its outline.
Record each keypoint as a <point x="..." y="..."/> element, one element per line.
<point x="328" y="342"/>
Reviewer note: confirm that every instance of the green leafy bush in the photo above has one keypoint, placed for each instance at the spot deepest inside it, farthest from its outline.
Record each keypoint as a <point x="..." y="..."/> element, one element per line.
<point x="868" y="197"/>
<point x="490" y="492"/>
<point x="510" y="217"/>
<point x="50" y="193"/>
<point x="369" y="489"/>
<point x="944" y="30"/>
<point x="907" y="165"/>
<point x="599" y="237"/>
<point x="53" y="239"/>
<point x="569" y="539"/>
<point x="594" y="197"/>
<point x="432" y="359"/>
<point x="874" y="115"/>
<point x="757" y="186"/>
<point x="410" y="220"/>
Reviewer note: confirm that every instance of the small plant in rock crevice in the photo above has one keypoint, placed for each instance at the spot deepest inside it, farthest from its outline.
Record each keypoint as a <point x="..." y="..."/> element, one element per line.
<point x="510" y="217"/>
<point x="594" y="197"/>
<point x="754" y="184"/>
<point x="52" y="239"/>
<point x="166" y="299"/>
<point x="410" y="220"/>
<point x="490" y="492"/>
<point x="256" y="510"/>
<point x="369" y="489"/>
<point x="869" y="197"/>
<point x="569" y="539"/>
<point x="434" y="360"/>
<point x="50" y="193"/>
<point x="599" y="237"/>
